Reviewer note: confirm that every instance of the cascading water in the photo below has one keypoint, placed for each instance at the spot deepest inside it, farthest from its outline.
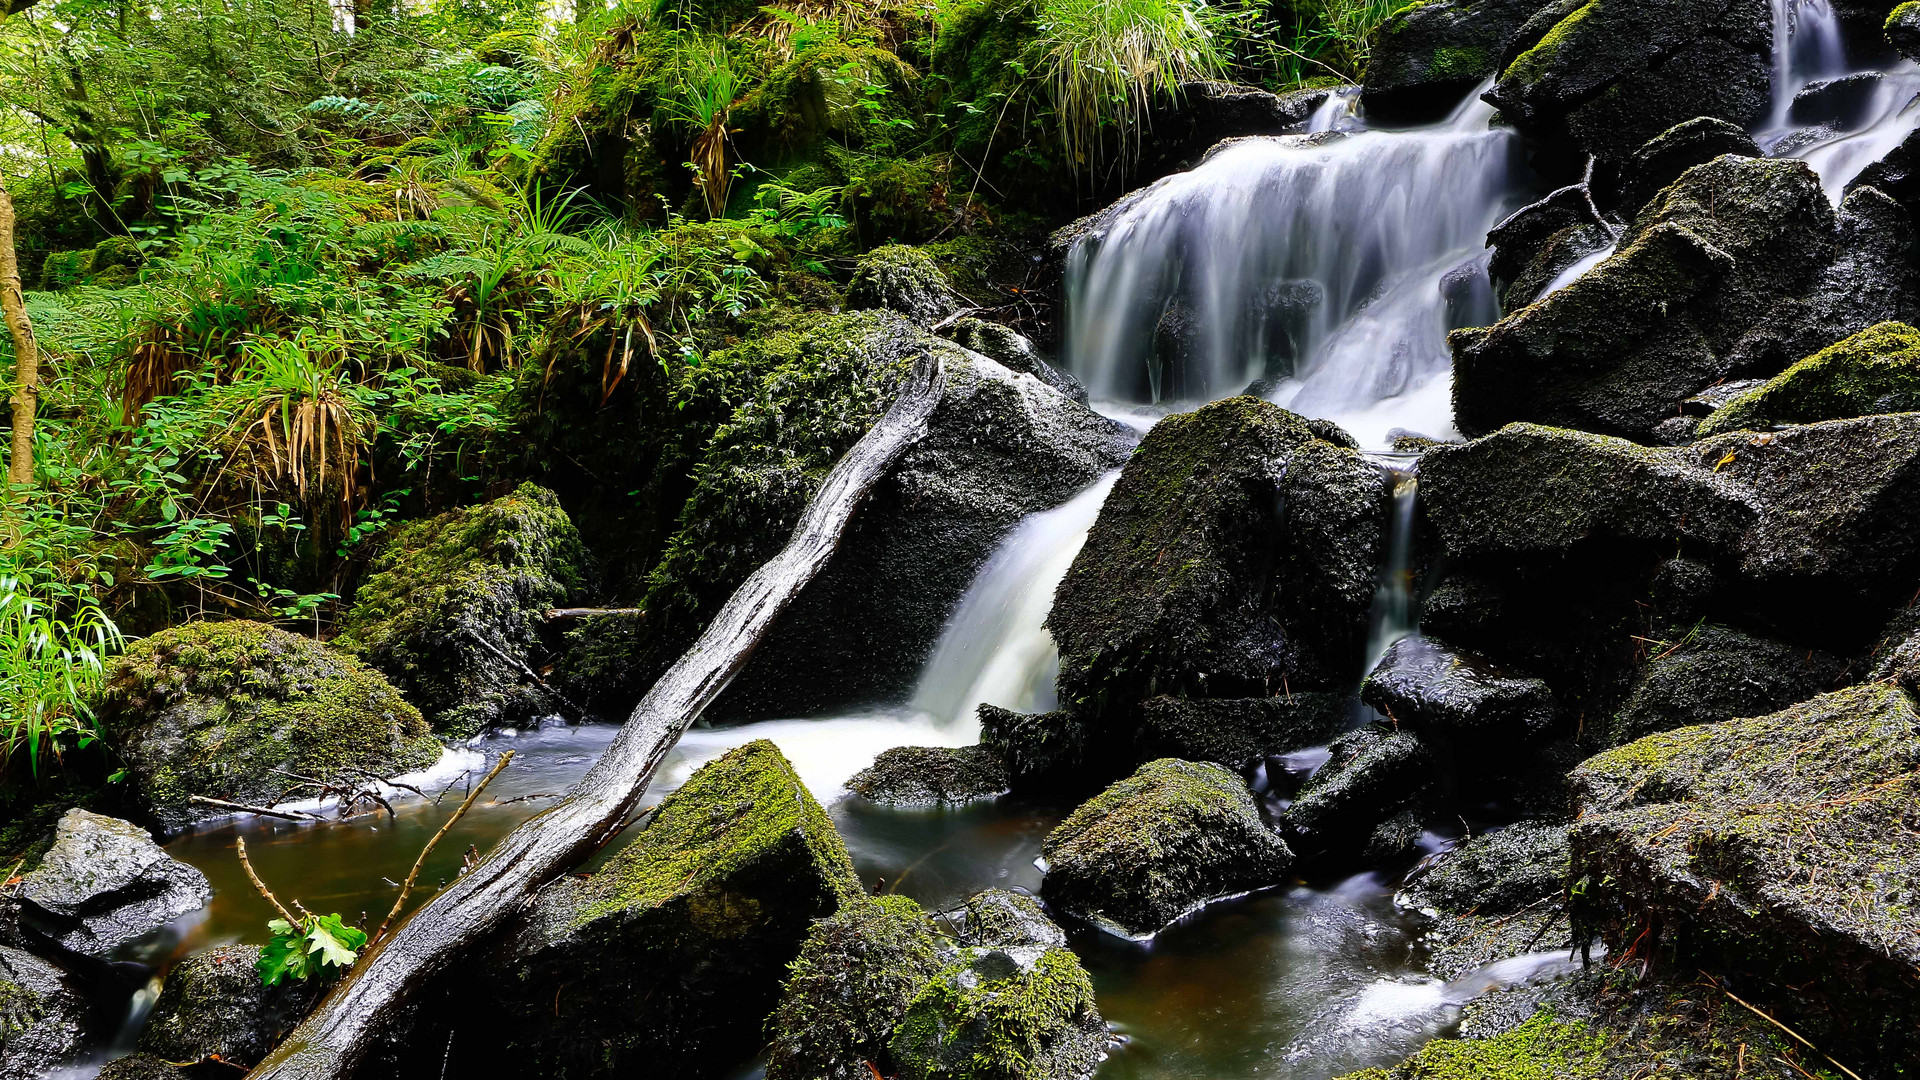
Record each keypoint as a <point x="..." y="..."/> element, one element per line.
<point x="1393" y="615"/>
<point x="1806" y="48"/>
<point x="1331" y="263"/>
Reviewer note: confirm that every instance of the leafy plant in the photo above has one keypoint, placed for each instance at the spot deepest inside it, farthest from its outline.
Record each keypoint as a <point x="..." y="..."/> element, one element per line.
<point x="318" y="947"/>
<point x="707" y="85"/>
<point x="50" y="666"/>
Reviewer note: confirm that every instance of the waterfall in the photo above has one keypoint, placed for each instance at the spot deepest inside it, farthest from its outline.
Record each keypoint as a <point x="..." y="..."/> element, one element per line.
<point x="1330" y="265"/>
<point x="1393" y="616"/>
<point x="1806" y="48"/>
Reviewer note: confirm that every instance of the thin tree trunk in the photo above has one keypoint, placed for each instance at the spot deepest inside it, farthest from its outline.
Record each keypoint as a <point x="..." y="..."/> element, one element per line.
<point x="26" y="352"/>
<point x="333" y="1042"/>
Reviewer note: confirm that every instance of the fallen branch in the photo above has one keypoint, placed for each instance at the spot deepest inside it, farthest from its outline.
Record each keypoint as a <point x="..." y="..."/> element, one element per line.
<point x="247" y="865"/>
<point x="263" y="811"/>
<point x="1797" y="1037"/>
<point x="332" y="1043"/>
<point x="527" y="671"/>
<point x="588" y="612"/>
<point x="414" y="874"/>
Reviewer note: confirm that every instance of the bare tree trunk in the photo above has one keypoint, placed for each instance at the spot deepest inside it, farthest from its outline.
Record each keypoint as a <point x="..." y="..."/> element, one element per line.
<point x="26" y="352"/>
<point x="333" y="1042"/>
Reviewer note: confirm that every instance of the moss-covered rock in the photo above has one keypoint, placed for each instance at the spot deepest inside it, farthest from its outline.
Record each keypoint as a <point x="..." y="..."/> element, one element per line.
<point x="1777" y="850"/>
<point x="1014" y="1012"/>
<point x="1000" y="917"/>
<point x="1874" y="371"/>
<point x="857" y="973"/>
<point x="1903" y="29"/>
<point x="1715" y="673"/>
<point x="1459" y="698"/>
<point x="1496" y="895"/>
<point x="1013" y="351"/>
<point x="1620" y="348"/>
<point x="915" y="200"/>
<point x="453" y="608"/>
<point x="1607" y="75"/>
<point x="141" y="1066"/>
<point x="1235" y="557"/>
<point x="931" y="775"/>
<point x="1158" y="845"/>
<point x="45" y="1019"/>
<point x="670" y="957"/>
<point x="903" y="279"/>
<point x="1665" y="157"/>
<point x="1051" y="753"/>
<point x="1369" y="776"/>
<point x="1539" y="241"/>
<point x="852" y="97"/>
<point x="1236" y="732"/>
<point x="213" y="1005"/>
<point x="225" y="709"/>
<point x="1428" y="56"/>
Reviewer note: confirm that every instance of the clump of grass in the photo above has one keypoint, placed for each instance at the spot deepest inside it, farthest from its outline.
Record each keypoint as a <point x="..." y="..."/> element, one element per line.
<point x="50" y="667"/>
<point x="706" y="88"/>
<point x="304" y="417"/>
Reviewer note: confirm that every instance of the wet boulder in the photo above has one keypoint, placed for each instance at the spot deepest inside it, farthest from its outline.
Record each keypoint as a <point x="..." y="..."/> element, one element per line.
<point x="1874" y="371"/>
<point x="44" y="1018"/>
<point x="1840" y="104"/>
<point x="1052" y="752"/>
<point x="1236" y="556"/>
<point x="1493" y="896"/>
<point x="1181" y="129"/>
<point x="1896" y="656"/>
<point x="454" y="605"/>
<point x="1714" y="673"/>
<point x="1777" y="851"/>
<point x="1427" y="57"/>
<point x="1158" y="845"/>
<point x="1459" y="697"/>
<point x="105" y="883"/>
<point x="213" y="1005"/>
<point x="1001" y="917"/>
<point x="850" y="986"/>
<point x="905" y="280"/>
<point x="1004" y="1012"/>
<point x="1013" y="351"/>
<point x="1655" y="166"/>
<point x="141" y="1066"/>
<point x="1902" y="29"/>
<point x="1535" y="244"/>
<point x="1370" y="775"/>
<point x="1604" y="76"/>
<point x="1620" y="348"/>
<point x="226" y="709"/>
<point x="672" y="954"/>
<point x="1235" y="732"/>
<point x="931" y="775"/>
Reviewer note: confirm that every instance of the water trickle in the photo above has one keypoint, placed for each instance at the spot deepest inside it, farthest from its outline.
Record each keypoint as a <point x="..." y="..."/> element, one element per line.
<point x="1332" y="264"/>
<point x="1393" y="616"/>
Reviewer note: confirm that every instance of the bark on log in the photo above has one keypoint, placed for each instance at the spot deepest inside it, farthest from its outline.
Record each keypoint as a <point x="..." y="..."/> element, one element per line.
<point x="26" y="352"/>
<point x="333" y="1042"/>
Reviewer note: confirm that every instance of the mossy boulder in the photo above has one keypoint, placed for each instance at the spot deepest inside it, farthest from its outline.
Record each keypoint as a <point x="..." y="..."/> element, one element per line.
<point x="1013" y="351"/>
<point x="1370" y="776"/>
<point x="671" y="956"/>
<point x="1655" y="166"/>
<point x="1235" y="557"/>
<point x="1604" y="76"/>
<point x="453" y="608"/>
<point x="1874" y="371"/>
<point x="903" y="279"/>
<point x="1048" y="754"/>
<point x="1776" y="850"/>
<point x="105" y="883"/>
<point x="1428" y="56"/>
<point x="831" y="93"/>
<point x="1532" y="246"/>
<point x="1495" y="895"/>
<point x="1620" y="348"/>
<point x="1236" y="732"/>
<point x="45" y="1019"/>
<point x="1008" y="1012"/>
<point x="915" y="200"/>
<point x="1459" y="698"/>
<point x="1713" y="673"/>
<point x="213" y="1005"/>
<point x="226" y="709"/>
<point x="931" y="775"/>
<point x="1001" y="917"/>
<point x="1902" y="29"/>
<point x="1158" y="845"/>
<point x="857" y="973"/>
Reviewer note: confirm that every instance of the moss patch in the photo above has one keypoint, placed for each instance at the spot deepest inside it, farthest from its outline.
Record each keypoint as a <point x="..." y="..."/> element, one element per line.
<point x="1001" y="1014"/>
<point x="1875" y="371"/>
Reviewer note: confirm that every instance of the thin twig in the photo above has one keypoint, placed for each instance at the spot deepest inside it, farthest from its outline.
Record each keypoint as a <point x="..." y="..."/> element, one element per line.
<point x="247" y="865"/>
<point x="527" y="671"/>
<point x="412" y="875"/>
<point x="263" y="811"/>
<point x="1801" y="1039"/>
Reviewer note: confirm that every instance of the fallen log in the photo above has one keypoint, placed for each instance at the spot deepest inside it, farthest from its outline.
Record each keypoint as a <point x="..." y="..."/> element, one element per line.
<point x="347" y="1027"/>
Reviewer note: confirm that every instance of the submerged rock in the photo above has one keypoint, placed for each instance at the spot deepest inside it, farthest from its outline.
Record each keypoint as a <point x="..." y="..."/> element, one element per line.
<point x="1778" y="850"/>
<point x="44" y="1018"/>
<point x="453" y="608"/>
<point x="902" y="279"/>
<point x="225" y="709"/>
<point x="1459" y="697"/>
<point x="1369" y="776"/>
<point x="1874" y="371"/>
<point x="857" y="973"/>
<point x="1158" y="845"/>
<point x="213" y="1005"/>
<point x="1428" y="57"/>
<point x="1008" y="1012"/>
<point x="1716" y="673"/>
<point x="105" y="883"/>
<point x="671" y="956"/>
<point x="930" y="775"/>
<point x="1237" y="731"/>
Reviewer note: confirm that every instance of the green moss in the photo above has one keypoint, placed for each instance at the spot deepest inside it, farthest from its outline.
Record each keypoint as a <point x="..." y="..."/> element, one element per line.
<point x="913" y="201"/>
<point x="991" y="1017"/>
<point x="20" y="1010"/>
<point x="1538" y="61"/>
<point x="1901" y="14"/>
<point x="213" y="708"/>
<point x="1543" y="1048"/>
<point x="1461" y="61"/>
<point x="1875" y="371"/>
<point x="858" y="95"/>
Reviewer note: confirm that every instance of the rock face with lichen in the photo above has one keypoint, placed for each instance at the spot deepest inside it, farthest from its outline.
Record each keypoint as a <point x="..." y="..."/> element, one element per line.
<point x="669" y="957"/>
<point x="931" y="775"/>
<point x="105" y="883"/>
<point x="1158" y="845"/>
<point x="45" y="1018"/>
<point x="1778" y="850"/>
<point x="226" y="709"/>
<point x="213" y="1005"/>
<point x="1429" y="56"/>
<point x="1874" y="371"/>
<point x="453" y="608"/>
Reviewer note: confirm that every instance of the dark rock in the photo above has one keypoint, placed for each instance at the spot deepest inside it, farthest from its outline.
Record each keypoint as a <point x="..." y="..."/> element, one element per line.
<point x="1535" y="243"/>
<point x="453" y="609"/>
<point x="1369" y="776"/>
<point x="1618" y="350"/>
<point x="105" y="883"/>
<point x="141" y="1067"/>
<point x="1047" y="752"/>
<point x="903" y="279"/>
<point x="1874" y="371"/>
<point x="1777" y="850"/>
<point x="594" y="662"/>
<point x="1714" y="397"/>
<point x="1201" y="115"/>
<point x="1607" y="76"/>
<point x="1902" y="29"/>
<point x="672" y="955"/>
<point x="1717" y="673"/>
<point x="1496" y="895"/>
<point x="1897" y="174"/>
<point x="1237" y="731"/>
<point x="857" y="973"/>
<point x="1654" y="167"/>
<point x="1840" y="103"/>
<point x="224" y="709"/>
<point x="1236" y="556"/>
<point x="213" y="1004"/>
<point x="929" y="775"/>
<point x="1896" y="656"/>
<point x="1001" y="918"/>
<point x="1158" y="845"/>
<point x="1014" y="1012"/>
<point x="1428" y="57"/>
<point x="1459" y="697"/>
<point x="1394" y="840"/>
<point x="44" y="1018"/>
<point x="1013" y="351"/>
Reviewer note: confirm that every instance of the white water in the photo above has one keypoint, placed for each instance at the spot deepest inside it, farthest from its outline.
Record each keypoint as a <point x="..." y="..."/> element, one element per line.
<point x="1318" y="258"/>
<point x="1392" y="617"/>
<point x="1806" y="48"/>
